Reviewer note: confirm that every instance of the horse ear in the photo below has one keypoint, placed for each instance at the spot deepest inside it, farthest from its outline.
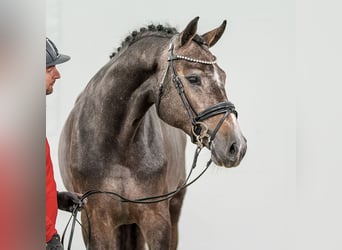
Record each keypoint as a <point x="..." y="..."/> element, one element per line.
<point x="189" y="32"/>
<point x="213" y="36"/>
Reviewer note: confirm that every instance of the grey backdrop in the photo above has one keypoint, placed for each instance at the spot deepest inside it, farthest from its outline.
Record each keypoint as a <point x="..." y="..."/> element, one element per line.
<point x="267" y="202"/>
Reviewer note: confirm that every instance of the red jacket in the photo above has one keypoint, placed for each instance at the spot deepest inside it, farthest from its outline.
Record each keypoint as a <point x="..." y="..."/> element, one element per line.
<point x="51" y="197"/>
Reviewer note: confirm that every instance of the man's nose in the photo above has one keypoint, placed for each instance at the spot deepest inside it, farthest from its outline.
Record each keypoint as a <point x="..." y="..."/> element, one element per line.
<point x="56" y="73"/>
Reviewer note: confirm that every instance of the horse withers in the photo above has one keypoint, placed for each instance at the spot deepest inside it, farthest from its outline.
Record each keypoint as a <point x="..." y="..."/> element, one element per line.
<point x="127" y="134"/>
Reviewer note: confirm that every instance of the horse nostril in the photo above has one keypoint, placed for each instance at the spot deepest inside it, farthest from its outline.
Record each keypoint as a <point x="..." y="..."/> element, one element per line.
<point x="233" y="149"/>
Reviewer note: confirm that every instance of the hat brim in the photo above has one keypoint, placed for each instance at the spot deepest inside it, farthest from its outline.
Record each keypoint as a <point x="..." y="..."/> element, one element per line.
<point x="60" y="59"/>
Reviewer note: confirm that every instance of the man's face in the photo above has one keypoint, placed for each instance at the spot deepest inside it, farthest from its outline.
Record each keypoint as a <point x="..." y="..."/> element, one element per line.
<point x="51" y="76"/>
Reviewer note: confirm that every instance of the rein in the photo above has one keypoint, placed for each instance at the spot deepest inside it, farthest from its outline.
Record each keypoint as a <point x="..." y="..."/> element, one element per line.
<point x="146" y="200"/>
<point x="200" y="137"/>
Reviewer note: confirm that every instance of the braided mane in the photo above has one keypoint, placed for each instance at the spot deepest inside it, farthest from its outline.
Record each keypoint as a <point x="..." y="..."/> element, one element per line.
<point x="150" y="29"/>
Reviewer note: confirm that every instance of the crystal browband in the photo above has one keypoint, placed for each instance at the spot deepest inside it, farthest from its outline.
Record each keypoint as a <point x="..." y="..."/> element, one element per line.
<point x="177" y="57"/>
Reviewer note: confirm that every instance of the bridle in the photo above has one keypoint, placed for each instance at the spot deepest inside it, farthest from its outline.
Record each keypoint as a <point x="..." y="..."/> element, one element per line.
<point x="200" y="131"/>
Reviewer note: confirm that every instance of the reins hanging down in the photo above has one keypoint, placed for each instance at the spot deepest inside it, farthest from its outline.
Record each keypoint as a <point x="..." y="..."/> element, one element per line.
<point x="146" y="200"/>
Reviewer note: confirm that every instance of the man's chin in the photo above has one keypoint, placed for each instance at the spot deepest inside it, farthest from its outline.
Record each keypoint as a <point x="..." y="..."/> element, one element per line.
<point x="49" y="91"/>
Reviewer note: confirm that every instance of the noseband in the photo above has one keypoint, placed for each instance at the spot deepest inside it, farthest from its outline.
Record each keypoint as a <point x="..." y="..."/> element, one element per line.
<point x="200" y="131"/>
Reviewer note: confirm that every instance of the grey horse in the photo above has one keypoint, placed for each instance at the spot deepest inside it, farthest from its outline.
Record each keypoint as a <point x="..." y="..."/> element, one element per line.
<point x="127" y="134"/>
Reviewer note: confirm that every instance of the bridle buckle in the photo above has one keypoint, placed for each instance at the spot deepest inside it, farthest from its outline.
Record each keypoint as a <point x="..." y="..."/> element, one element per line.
<point x="201" y="136"/>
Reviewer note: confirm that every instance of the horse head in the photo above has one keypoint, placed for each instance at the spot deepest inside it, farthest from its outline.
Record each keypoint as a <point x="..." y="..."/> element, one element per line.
<point x="192" y="95"/>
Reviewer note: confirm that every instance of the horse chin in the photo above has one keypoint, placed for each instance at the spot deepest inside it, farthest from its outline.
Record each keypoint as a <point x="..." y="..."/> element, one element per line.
<point x="224" y="162"/>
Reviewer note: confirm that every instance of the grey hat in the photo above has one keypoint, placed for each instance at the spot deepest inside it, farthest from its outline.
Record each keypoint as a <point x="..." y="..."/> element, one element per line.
<point x="52" y="55"/>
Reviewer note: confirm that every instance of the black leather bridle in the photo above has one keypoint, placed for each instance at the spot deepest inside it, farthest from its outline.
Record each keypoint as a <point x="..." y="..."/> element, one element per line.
<point x="200" y="131"/>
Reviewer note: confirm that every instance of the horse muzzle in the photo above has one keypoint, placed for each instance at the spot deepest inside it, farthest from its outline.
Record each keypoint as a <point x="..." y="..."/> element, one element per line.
<point x="228" y="153"/>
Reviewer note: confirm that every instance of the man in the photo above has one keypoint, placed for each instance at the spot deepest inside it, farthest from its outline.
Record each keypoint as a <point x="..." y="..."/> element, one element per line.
<point x="54" y="200"/>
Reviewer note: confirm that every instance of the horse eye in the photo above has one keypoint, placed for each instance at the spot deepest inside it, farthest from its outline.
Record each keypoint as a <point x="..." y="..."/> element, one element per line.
<point x="194" y="79"/>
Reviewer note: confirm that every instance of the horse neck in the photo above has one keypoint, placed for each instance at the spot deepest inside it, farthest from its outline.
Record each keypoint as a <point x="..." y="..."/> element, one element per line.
<point x="131" y="80"/>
